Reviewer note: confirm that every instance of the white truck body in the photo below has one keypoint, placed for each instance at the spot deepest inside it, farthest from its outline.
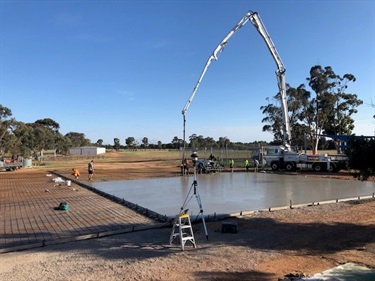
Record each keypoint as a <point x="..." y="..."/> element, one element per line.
<point x="277" y="158"/>
<point x="10" y="166"/>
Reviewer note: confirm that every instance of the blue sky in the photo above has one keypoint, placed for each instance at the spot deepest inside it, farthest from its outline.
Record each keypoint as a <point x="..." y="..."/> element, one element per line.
<point x="118" y="69"/>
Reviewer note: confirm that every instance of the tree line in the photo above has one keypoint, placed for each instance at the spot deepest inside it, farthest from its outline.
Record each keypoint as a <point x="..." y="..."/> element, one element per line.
<point x="28" y="139"/>
<point x="195" y="142"/>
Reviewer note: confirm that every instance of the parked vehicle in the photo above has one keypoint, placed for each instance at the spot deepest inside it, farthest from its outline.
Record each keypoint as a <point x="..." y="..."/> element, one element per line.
<point x="208" y="166"/>
<point x="277" y="158"/>
<point x="10" y="165"/>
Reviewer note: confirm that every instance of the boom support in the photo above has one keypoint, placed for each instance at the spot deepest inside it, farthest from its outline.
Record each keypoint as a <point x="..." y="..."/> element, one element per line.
<point x="280" y="72"/>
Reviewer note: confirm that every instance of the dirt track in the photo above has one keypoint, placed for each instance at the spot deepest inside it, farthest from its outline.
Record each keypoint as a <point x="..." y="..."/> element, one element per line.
<point x="268" y="245"/>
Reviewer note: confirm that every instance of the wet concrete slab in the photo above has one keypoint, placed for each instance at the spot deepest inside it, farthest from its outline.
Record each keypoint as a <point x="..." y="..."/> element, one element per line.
<point x="226" y="193"/>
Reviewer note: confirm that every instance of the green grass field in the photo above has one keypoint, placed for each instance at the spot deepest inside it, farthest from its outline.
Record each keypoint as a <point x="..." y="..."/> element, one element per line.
<point x="141" y="155"/>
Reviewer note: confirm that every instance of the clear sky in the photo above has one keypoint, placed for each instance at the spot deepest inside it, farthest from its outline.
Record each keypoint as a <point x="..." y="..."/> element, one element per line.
<point x="119" y="69"/>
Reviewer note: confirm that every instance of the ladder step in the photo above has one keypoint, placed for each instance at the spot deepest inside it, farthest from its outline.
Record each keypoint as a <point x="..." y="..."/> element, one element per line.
<point x="185" y="231"/>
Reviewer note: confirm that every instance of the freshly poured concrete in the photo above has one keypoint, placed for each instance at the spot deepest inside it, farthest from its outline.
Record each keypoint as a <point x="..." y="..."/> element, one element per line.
<point x="225" y="193"/>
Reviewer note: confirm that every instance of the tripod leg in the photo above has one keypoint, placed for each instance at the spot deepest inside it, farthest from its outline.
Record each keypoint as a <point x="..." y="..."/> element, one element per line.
<point x="204" y="225"/>
<point x="187" y="199"/>
<point x="201" y="212"/>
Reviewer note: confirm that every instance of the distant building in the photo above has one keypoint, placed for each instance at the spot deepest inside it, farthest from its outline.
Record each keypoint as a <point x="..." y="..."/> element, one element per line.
<point x="87" y="150"/>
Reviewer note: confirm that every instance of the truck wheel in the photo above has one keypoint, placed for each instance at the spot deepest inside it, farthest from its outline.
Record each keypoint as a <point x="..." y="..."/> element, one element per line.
<point x="275" y="166"/>
<point x="332" y="168"/>
<point x="317" y="167"/>
<point x="289" y="166"/>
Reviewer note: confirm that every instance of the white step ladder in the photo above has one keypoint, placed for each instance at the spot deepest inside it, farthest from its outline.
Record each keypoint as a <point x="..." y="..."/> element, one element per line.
<point x="185" y="231"/>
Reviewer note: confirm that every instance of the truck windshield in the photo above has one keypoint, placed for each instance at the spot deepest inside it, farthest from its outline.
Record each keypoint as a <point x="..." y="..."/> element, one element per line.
<point x="271" y="151"/>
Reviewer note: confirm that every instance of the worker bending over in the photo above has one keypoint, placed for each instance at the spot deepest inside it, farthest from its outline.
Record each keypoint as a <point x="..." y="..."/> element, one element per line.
<point x="75" y="173"/>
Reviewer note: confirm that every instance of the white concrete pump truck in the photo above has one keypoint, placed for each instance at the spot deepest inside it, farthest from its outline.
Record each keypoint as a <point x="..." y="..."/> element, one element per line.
<point x="276" y="157"/>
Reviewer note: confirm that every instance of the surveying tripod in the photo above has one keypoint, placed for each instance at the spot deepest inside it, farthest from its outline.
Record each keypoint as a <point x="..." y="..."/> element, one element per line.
<point x="194" y="191"/>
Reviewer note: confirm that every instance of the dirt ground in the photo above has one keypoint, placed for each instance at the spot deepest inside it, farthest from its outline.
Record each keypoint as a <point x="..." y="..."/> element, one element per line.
<point x="267" y="246"/>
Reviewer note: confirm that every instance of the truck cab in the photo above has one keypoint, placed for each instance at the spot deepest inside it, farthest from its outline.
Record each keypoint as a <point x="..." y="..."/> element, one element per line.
<point x="277" y="157"/>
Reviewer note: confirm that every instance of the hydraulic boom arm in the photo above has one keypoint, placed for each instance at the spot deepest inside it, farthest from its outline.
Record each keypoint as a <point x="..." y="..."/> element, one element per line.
<point x="280" y="72"/>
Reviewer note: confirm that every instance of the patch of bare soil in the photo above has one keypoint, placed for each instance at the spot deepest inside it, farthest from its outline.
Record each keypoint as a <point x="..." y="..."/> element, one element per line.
<point x="267" y="246"/>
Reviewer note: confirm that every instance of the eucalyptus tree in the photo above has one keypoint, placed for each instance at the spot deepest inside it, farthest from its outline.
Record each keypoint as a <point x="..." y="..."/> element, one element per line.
<point x="328" y="111"/>
<point x="62" y="144"/>
<point x="201" y="141"/>
<point x="99" y="142"/>
<point x="116" y="144"/>
<point x="130" y="141"/>
<point x="209" y="142"/>
<point x="44" y="138"/>
<point x="78" y="139"/>
<point x="331" y="108"/>
<point x="176" y="142"/>
<point x="24" y="140"/>
<point x="321" y="106"/>
<point x="273" y="119"/>
<point x="31" y="138"/>
<point x="197" y="141"/>
<point x="223" y="142"/>
<point x="47" y="136"/>
<point x="193" y="141"/>
<point x="345" y="105"/>
<point x="297" y="102"/>
<point x="145" y="141"/>
<point x="6" y="123"/>
<point x="49" y="123"/>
